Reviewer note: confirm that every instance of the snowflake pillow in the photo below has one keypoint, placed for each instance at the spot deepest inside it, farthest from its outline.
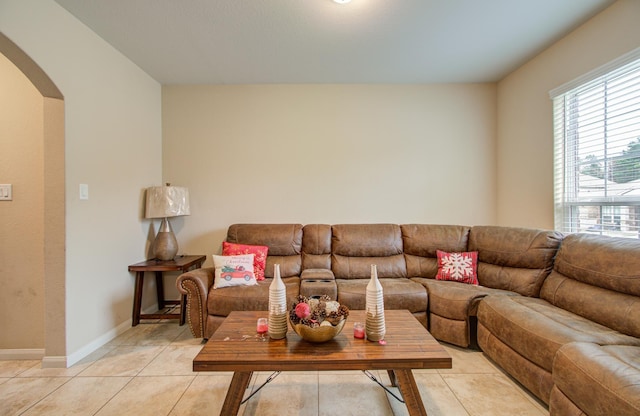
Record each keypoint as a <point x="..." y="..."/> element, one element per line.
<point x="461" y="267"/>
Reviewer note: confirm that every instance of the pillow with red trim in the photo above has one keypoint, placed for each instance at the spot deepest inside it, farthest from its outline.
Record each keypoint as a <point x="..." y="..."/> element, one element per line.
<point x="259" y="255"/>
<point x="233" y="271"/>
<point x="460" y="267"/>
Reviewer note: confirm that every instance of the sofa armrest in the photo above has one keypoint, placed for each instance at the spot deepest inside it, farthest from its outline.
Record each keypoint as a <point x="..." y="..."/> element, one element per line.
<point x="195" y="285"/>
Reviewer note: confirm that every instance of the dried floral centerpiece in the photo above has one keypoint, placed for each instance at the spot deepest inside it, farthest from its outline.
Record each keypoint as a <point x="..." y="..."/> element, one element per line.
<point x="317" y="319"/>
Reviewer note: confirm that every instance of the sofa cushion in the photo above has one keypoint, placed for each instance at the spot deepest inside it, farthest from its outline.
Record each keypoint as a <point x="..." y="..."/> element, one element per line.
<point x="535" y="378"/>
<point x="248" y="298"/>
<point x="398" y="294"/>
<point x="316" y="246"/>
<point x="450" y="306"/>
<point x="259" y="253"/>
<point x="366" y="240"/>
<point x="515" y="259"/>
<point x="290" y="266"/>
<point x="421" y="241"/>
<point x="599" y="278"/>
<point x="536" y="329"/>
<point x="282" y="239"/>
<point x="456" y="300"/>
<point x="355" y="247"/>
<point x="614" y="310"/>
<point x="459" y="267"/>
<point x="284" y="242"/>
<point x="360" y="267"/>
<point x="599" y="380"/>
<point x="612" y="262"/>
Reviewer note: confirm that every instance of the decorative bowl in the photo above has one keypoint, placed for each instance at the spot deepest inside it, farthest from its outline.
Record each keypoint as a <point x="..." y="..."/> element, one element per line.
<point x="317" y="318"/>
<point x="318" y="334"/>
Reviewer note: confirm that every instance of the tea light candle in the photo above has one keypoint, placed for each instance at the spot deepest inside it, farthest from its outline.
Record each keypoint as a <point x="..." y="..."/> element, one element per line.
<point x="262" y="326"/>
<point x="358" y="330"/>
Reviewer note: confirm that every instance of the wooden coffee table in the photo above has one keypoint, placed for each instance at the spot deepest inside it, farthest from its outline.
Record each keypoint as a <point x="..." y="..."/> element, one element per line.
<point x="236" y="347"/>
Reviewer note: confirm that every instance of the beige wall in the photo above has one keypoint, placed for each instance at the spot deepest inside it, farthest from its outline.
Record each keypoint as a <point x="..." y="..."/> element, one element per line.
<point x="113" y="144"/>
<point x="22" y="219"/>
<point x="525" y="127"/>
<point x="329" y="154"/>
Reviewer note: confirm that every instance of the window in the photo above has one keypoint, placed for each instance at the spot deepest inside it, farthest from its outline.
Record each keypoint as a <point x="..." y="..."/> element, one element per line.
<point x="597" y="151"/>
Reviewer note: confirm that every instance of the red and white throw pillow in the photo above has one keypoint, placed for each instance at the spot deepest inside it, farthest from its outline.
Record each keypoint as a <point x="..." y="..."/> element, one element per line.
<point x="259" y="253"/>
<point x="233" y="271"/>
<point x="461" y="267"/>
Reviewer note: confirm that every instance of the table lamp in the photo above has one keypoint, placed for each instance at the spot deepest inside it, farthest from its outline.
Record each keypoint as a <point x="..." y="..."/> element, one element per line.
<point x="165" y="202"/>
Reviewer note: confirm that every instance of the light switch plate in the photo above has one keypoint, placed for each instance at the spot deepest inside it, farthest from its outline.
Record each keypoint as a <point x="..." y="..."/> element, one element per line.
<point x="6" y="193"/>
<point x="84" y="191"/>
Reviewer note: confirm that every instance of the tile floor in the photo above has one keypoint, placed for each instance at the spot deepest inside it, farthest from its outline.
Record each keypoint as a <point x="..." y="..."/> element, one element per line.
<point x="147" y="371"/>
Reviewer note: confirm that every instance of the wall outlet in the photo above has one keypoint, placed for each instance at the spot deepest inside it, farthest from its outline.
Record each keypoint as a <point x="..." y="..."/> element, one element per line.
<point x="6" y="192"/>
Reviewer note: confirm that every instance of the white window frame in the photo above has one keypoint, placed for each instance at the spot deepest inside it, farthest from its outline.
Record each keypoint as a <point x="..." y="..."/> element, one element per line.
<point x="614" y="213"/>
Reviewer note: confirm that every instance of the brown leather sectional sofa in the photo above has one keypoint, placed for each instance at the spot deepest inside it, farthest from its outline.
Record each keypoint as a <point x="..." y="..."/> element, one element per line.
<point x="561" y="314"/>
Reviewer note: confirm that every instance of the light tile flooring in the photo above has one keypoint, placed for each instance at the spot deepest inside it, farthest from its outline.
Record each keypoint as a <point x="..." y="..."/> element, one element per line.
<point x="147" y="371"/>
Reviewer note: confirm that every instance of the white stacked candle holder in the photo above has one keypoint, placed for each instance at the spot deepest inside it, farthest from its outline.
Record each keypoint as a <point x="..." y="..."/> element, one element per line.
<point x="277" y="306"/>
<point x="374" y="325"/>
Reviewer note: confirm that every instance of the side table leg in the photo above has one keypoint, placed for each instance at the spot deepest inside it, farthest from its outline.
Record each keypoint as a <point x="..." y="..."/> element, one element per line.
<point x="137" y="299"/>
<point x="410" y="392"/>
<point x="237" y="388"/>
<point x="160" y="290"/>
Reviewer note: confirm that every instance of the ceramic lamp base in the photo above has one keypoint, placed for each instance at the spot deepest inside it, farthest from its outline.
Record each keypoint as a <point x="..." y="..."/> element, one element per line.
<point x="165" y="246"/>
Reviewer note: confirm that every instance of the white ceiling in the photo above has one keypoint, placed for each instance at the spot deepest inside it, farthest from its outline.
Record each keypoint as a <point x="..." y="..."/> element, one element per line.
<point x="319" y="41"/>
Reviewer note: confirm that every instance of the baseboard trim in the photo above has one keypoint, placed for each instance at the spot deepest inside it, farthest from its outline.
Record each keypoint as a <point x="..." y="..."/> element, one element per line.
<point x="65" y="361"/>
<point x="78" y="355"/>
<point x="54" y="362"/>
<point x="22" y="354"/>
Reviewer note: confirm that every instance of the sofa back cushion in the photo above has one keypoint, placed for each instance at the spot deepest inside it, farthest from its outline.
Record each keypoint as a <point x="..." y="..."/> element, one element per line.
<point x="284" y="242"/>
<point x="316" y="246"/>
<point x="355" y="247"/>
<point x="598" y="278"/>
<point x="422" y="241"/>
<point x="515" y="259"/>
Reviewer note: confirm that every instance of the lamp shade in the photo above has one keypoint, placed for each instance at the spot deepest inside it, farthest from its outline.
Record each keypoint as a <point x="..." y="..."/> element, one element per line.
<point x="167" y="201"/>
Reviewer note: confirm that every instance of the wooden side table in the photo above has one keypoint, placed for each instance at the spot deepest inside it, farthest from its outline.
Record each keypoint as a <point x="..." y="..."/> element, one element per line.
<point x="179" y="264"/>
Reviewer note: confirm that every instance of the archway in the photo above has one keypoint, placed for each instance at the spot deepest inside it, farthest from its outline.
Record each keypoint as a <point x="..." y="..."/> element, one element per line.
<point x="54" y="203"/>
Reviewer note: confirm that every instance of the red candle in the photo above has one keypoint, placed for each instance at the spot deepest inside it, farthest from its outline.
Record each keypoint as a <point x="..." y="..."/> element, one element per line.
<point x="262" y="326"/>
<point x="358" y="330"/>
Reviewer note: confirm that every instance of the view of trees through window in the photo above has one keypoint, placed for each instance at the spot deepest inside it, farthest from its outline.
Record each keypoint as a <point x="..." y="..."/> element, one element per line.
<point x="605" y="179"/>
<point x="620" y="169"/>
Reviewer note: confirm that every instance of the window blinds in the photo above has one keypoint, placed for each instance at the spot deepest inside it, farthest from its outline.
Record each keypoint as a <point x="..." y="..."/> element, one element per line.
<point x="597" y="152"/>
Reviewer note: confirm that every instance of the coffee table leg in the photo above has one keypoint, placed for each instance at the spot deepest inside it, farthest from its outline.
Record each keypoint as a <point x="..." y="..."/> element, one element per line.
<point x="392" y="377"/>
<point x="410" y="393"/>
<point x="239" y="384"/>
